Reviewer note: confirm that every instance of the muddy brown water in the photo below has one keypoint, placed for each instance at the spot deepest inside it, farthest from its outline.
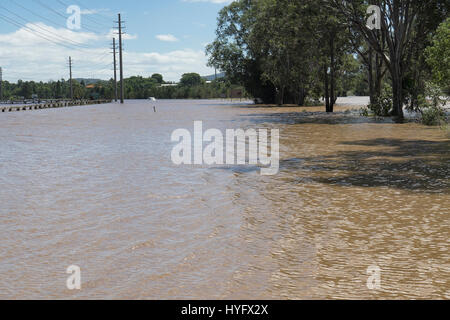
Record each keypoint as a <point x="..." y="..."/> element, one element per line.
<point x="95" y="187"/>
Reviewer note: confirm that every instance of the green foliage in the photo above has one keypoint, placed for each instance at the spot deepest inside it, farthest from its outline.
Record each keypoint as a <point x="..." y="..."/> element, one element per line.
<point x="430" y="105"/>
<point x="191" y="80"/>
<point x="158" y="78"/>
<point x="438" y="55"/>
<point x="364" y="112"/>
<point x="135" y="88"/>
<point x="279" y="50"/>
<point x="26" y="89"/>
<point x="382" y="104"/>
<point x="433" y="116"/>
<point x="351" y="78"/>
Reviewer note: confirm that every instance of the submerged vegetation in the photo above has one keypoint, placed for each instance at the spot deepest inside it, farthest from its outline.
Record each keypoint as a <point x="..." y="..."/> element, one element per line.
<point x="285" y="51"/>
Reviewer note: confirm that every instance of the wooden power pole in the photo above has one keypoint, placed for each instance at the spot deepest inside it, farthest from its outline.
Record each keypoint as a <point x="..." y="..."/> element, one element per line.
<point x="115" y="70"/>
<point x="71" y="85"/>
<point x="122" y="89"/>
<point x="1" y="84"/>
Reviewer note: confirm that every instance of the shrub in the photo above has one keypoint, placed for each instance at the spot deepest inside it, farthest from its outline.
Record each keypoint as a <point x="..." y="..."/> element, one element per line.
<point x="430" y="105"/>
<point x="364" y="112"/>
<point x="382" y="104"/>
<point x="433" y="116"/>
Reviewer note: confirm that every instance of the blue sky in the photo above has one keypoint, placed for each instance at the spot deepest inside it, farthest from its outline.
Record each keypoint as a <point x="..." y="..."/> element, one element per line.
<point x="164" y="36"/>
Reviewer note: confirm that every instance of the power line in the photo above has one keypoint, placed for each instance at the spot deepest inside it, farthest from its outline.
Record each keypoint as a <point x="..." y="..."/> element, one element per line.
<point x="98" y="14"/>
<point x="85" y="15"/>
<point x="36" y="14"/>
<point x="42" y="17"/>
<point x="36" y="33"/>
<point x="41" y="35"/>
<point x="51" y="37"/>
<point x="59" y="14"/>
<point x="58" y="37"/>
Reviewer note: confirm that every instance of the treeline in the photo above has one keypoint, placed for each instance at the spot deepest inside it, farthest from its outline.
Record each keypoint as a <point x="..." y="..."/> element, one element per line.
<point x="27" y="89"/>
<point x="286" y="51"/>
<point x="191" y="86"/>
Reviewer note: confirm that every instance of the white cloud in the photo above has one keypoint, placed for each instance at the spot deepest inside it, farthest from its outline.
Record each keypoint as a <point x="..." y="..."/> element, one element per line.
<point x="28" y="35"/>
<point x="25" y="56"/>
<point x="96" y="11"/>
<point x="125" y="36"/>
<point x="167" y="37"/>
<point x="171" y="64"/>
<point x="212" y="1"/>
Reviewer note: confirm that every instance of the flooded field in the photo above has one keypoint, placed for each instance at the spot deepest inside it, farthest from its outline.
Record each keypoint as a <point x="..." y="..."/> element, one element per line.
<point x="95" y="187"/>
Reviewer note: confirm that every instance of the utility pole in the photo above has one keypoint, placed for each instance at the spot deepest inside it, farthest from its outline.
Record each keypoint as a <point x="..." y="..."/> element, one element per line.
<point x="115" y="70"/>
<point x="70" y="70"/>
<point x="1" y="84"/>
<point x="122" y="89"/>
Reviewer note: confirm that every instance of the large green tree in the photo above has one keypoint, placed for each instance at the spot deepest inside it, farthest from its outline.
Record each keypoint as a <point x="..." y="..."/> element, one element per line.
<point x="401" y="39"/>
<point x="438" y="55"/>
<point x="282" y="50"/>
<point x="233" y="53"/>
<point x="191" y="80"/>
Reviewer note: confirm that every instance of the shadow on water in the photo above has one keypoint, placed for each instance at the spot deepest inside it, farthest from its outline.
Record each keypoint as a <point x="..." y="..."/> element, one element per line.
<point x="237" y="169"/>
<point x="416" y="165"/>
<point x="306" y="117"/>
<point x="271" y="107"/>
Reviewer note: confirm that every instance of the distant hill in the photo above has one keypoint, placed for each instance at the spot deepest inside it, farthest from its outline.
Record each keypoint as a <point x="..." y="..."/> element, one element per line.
<point x="212" y="77"/>
<point x="88" y="81"/>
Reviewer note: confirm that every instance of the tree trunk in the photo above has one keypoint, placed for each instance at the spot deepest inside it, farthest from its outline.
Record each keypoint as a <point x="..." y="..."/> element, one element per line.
<point x="378" y="74"/>
<point x="301" y="97"/>
<point x="282" y="96"/>
<point x="371" y="82"/>
<point x="327" y="93"/>
<point x="332" y="75"/>
<point x="397" y="88"/>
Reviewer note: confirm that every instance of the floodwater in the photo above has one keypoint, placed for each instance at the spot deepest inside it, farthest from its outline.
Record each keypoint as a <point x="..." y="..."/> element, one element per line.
<point x="95" y="187"/>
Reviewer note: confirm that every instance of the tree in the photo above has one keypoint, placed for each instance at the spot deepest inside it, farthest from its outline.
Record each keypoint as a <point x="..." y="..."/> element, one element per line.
<point x="438" y="55"/>
<point x="232" y="51"/>
<point x="191" y="80"/>
<point x="373" y="61"/>
<point x="282" y="50"/>
<point x="334" y="44"/>
<point x="158" y="78"/>
<point x="78" y="90"/>
<point x="287" y="48"/>
<point x="26" y="90"/>
<point x="405" y="25"/>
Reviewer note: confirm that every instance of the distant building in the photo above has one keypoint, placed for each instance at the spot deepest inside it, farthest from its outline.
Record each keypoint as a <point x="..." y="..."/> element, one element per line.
<point x="92" y="86"/>
<point x="169" y="84"/>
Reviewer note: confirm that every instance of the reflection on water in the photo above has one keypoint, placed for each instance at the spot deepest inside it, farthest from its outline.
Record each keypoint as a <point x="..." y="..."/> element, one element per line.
<point x="95" y="187"/>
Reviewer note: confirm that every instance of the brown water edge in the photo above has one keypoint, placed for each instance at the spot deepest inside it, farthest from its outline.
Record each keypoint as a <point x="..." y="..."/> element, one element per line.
<point x="96" y="188"/>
